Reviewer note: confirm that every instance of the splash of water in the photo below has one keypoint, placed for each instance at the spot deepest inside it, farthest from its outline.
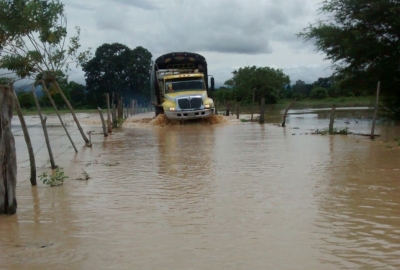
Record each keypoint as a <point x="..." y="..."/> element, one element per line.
<point x="161" y="120"/>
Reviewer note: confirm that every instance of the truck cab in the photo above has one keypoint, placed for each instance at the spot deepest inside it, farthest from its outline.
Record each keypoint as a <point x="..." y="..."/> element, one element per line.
<point x="180" y="87"/>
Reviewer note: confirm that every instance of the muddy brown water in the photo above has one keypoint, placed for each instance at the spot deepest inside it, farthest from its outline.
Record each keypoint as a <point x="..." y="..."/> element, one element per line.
<point x="220" y="195"/>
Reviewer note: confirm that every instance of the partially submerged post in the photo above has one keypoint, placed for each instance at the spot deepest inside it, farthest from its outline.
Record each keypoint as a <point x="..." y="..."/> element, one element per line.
<point x="27" y="139"/>
<point x="8" y="160"/>
<point x="46" y="135"/>
<point x="90" y="138"/>
<point x="103" y="123"/>
<point x="252" y="105"/>
<point x="332" y="119"/>
<point x="286" y="111"/>
<point x="58" y="114"/>
<point x="71" y="110"/>
<point x="108" y="113"/>
<point x="262" y="113"/>
<point x="375" y="111"/>
<point x="237" y="109"/>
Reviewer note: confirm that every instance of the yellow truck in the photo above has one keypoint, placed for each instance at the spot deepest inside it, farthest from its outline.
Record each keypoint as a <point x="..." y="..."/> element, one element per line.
<point x="179" y="86"/>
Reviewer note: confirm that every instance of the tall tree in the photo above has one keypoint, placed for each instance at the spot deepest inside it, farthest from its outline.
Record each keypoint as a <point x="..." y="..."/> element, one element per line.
<point x="78" y="93"/>
<point x="301" y="89"/>
<point x="267" y="82"/>
<point x="116" y="68"/>
<point x="362" y="39"/>
<point x="33" y="36"/>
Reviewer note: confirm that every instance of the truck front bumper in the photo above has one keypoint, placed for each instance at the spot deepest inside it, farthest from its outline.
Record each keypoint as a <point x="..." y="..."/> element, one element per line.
<point x="186" y="115"/>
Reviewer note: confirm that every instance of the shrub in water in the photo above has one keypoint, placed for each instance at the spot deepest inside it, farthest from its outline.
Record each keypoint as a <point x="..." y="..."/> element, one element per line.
<point x="56" y="179"/>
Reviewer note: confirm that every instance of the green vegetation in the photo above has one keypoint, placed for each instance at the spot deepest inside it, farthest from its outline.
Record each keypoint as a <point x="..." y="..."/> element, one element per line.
<point x="126" y="73"/>
<point x="56" y="179"/>
<point x="306" y="103"/>
<point x="362" y="40"/>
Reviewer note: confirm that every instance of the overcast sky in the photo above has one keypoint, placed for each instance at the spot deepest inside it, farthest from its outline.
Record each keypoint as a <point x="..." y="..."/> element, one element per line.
<point x="229" y="33"/>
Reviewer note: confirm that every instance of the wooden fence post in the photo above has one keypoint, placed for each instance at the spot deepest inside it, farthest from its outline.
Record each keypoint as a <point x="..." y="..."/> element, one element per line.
<point x="27" y="139"/>
<point x="114" y="116"/>
<point x="332" y="119"/>
<point x="262" y="113"/>
<point x="375" y="111"/>
<point x="46" y="135"/>
<point x="103" y="123"/>
<point x="237" y="109"/>
<point x="252" y="105"/>
<point x="8" y="160"/>
<point x="90" y="138"/>
<point x="286" y="111"/>
<point x="58" y="114"/>
<point x="108" y="114"/>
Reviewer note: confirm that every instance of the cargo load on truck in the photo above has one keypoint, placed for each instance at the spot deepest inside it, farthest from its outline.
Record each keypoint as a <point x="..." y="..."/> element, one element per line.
<point x="179" y="86"/>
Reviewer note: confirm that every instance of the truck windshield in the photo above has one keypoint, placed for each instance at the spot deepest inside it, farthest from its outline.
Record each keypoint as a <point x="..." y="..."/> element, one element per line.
<point x="185" y="84"/>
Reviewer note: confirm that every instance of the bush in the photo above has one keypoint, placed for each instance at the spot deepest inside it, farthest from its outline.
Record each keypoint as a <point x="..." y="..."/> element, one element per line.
<point x="26" y="100"/>
<point x="56" y="179"/>
<point x="319" y="93"/>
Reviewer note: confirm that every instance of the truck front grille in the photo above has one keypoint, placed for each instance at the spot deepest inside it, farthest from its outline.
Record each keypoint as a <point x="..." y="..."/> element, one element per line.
<point x="190" y="103"/>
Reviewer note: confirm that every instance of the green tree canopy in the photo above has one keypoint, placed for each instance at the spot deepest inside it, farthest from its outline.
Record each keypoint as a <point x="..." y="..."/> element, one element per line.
<point x="33" y="37"/>
<point x="116" y="68"/>
<point x="362" y="39"/>
<point x="265" y="81"/>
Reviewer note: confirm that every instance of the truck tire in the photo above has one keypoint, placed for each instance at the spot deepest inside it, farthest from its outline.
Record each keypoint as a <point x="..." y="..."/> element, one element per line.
<point x="159" y="110"/>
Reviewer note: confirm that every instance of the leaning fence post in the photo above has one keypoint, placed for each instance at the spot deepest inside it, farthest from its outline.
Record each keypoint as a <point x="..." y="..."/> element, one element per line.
<point x="90" y="138"/>
<point x="103" y="122"/>
<point x="46" y="135"/>
<point x="286" y="111"/>
<point x="58" y="114"/>
<point x="28" y="141"/>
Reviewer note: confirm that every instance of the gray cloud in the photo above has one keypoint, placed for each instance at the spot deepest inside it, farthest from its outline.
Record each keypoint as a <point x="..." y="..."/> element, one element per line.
<point x="229" y="33"/>
<point x="141" y="4"/>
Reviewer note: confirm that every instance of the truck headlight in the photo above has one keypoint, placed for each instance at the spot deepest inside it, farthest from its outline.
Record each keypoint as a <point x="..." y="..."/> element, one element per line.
<point x="207" y="106"/>
<point x="172" y="109"/>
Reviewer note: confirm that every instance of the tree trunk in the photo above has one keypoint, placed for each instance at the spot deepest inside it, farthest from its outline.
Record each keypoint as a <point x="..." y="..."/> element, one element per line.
<point x="58" y="114"/>
<point x="27" y="140"/>
<point x="72" y="112"/>
<point x="8" y="160"/>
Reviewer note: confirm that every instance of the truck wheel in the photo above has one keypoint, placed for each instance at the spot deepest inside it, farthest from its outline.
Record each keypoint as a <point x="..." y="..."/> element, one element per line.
<point x="159" y="110"/>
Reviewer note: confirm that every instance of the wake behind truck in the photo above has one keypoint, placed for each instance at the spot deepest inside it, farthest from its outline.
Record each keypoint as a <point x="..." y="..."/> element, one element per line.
<point x="179" y="86"/>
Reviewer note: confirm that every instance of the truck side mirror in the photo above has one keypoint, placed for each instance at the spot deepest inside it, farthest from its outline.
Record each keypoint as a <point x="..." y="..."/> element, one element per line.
<point x="212" y="83"/>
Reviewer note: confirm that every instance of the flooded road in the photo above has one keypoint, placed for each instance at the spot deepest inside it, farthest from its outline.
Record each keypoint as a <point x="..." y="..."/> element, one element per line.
<point x="235" y="195"/>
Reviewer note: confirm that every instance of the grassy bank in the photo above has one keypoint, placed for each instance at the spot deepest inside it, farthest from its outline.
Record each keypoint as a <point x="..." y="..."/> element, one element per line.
<point x="306" y="103"/>
<point x="339" y="102"/>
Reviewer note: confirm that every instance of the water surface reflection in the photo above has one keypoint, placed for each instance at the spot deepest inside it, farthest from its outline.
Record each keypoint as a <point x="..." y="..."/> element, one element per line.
<point x="235" y="195"/>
